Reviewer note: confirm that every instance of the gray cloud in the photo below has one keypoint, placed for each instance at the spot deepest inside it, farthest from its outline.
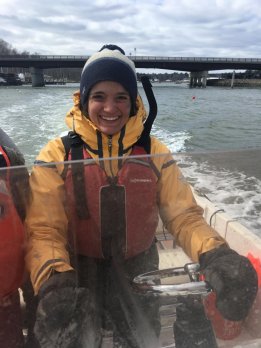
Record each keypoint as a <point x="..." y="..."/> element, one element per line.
<point x="152" y="27"/>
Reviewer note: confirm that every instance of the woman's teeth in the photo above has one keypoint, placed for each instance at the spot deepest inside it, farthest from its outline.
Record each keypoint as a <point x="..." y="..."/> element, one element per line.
<point x="110" y="118"/>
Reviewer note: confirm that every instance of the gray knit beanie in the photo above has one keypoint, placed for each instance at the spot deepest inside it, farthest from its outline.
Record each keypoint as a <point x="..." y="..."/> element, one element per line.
<point x="109" y="64"/>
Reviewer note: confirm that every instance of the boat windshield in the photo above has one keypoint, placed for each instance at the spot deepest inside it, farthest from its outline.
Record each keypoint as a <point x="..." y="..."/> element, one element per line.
<point x="101" y="253"/>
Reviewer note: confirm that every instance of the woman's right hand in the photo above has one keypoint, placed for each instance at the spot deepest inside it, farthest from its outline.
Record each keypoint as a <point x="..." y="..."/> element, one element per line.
<point x="62" y="311"/>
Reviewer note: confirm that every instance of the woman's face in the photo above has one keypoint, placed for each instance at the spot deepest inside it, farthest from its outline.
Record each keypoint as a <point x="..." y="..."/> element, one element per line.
<point x="109" y="106"/>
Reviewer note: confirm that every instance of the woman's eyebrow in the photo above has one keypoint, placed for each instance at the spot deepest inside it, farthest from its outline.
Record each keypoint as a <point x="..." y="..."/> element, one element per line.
<point x="97" y="92"/>
<point x="122" y="93"/>
<point x="102" y="92"/>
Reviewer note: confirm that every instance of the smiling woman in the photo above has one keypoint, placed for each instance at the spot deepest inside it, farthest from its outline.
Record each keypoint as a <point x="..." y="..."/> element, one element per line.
<point x="109" y="106"/>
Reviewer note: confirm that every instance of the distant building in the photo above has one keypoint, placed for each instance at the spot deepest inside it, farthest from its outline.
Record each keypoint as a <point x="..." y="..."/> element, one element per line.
<point x="9" y="79"/>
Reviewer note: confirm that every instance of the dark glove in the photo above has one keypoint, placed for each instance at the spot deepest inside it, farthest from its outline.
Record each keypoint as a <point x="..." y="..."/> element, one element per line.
<point x="234" y="280"/>
<point x="61" y="311"/>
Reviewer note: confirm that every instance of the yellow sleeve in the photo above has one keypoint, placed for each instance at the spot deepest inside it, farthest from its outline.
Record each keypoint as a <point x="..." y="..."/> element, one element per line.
<point x="46" y="221"/>
<point x="179" y="211"/>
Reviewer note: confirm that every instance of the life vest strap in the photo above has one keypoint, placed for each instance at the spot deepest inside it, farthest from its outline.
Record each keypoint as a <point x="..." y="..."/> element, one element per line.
<point x="74" y="144"/>
<point x="6" y="162"/>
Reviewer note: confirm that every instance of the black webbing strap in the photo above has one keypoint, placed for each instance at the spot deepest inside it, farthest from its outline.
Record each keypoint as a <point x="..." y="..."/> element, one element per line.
<point x="73" y="142"/>
<point x="113" y="220"/>
<point x="144" y="140"/>
<point x="67" y="145"/>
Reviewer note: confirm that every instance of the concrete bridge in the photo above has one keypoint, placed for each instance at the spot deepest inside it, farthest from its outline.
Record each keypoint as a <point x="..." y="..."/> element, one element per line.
<point x="197" y="66"/>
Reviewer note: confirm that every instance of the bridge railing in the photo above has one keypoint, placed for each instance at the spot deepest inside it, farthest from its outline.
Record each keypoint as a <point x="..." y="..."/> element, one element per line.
<point x="197" y="59"/>
<point x="134" y="58"/>
<point x="43" y="57"/>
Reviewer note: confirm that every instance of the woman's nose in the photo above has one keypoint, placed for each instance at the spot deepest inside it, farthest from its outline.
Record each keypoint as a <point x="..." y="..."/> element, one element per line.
<point x="109" y="105"/>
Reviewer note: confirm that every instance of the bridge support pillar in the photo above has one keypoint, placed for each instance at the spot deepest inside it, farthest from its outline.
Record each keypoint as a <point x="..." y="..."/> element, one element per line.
<point x="198" y="79"/>
<point x="37" y="77"/>
<point x="233" y="79"/>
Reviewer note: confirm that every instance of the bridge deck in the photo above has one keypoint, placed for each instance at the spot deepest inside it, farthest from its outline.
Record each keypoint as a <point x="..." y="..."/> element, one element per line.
<point x="168" y="63"/>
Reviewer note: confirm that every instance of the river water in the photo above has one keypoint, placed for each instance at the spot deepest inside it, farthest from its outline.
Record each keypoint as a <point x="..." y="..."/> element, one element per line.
<point x="215" y="134"/>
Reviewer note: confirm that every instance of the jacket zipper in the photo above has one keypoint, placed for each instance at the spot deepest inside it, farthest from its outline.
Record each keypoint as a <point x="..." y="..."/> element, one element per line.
<point x="110" y="144"/>
<point x="110" y="152"/>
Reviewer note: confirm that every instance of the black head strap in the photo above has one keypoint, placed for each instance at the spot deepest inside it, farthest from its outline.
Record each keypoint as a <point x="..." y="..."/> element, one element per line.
<point x="144" y="140"/>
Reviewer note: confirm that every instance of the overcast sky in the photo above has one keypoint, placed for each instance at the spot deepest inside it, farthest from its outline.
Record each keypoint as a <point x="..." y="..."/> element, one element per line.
<point x="187" y="28"/>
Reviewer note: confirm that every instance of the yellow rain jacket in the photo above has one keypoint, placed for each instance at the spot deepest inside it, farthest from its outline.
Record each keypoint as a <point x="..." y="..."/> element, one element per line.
<point x="47" y="221"/>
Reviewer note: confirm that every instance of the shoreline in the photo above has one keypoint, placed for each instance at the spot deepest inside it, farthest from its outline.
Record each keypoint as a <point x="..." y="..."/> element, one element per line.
<point x="256" y="83"/>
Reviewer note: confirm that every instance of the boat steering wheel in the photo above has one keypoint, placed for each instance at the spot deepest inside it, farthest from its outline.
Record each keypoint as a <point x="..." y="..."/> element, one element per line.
<point x="159" y="282"/>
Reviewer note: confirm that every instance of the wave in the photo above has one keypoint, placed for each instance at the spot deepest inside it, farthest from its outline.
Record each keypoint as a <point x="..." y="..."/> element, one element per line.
<point x="228" y="181"/>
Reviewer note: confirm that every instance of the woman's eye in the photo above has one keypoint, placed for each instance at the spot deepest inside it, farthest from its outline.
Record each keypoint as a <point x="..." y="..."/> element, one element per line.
<point x="97" y="97"/>
<point x="123" y="97"/>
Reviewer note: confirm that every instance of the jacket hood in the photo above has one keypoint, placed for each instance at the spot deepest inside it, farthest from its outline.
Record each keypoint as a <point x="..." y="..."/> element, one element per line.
<point x="90" y="134"/>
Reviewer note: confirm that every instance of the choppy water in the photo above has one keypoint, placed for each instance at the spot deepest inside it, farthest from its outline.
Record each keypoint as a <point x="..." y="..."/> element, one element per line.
<point x="219" y="129"/>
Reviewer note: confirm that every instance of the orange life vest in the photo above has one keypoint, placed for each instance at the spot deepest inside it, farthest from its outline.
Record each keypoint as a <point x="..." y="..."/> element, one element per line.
<point x="12" y="236"/>
<point x="122" y="216"/>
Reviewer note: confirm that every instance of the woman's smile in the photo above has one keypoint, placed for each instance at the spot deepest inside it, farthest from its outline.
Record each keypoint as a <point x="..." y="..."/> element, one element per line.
<point x="107" y="118"/>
